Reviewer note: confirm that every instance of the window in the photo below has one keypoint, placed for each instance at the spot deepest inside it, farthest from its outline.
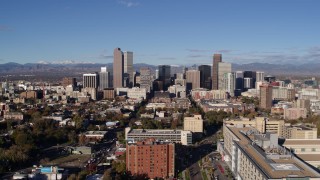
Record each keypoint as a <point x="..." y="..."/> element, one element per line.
<point x="303" y="149"/>
<point x="313" y="149"/>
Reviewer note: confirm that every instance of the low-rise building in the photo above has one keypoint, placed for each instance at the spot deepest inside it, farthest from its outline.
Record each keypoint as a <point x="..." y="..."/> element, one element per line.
<point x="252" y="155"/>
<point x="295" y="113"/>
<point x="306" y="149"/>
<point x="166" y="135"/>
<point x="193" y="124"/>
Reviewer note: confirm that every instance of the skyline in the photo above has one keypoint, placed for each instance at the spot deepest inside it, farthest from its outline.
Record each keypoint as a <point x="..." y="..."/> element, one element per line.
<point x="166" y="32"/>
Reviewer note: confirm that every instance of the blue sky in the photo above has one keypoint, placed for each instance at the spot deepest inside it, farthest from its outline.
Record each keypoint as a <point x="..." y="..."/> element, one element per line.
<point x="160" y="31"/>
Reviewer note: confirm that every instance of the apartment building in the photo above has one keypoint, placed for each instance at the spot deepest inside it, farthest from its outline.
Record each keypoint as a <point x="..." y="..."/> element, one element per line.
<point x="151" y="158"/>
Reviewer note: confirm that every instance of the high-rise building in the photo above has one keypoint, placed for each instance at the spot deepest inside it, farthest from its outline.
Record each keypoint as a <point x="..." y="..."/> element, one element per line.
<point x="145" y="78"/>
<point x="164" y="75"/>
<point x="239" y="80"/>
<point x="118" y="68"/>
<point x="259" y="76"/>
<point x="69" y="81"/>
<point x="104" y="79"/>
<point x="266" y="96"/>
<point x="205" y="76"/>
<point x="217" y="58"/>
<point x="223" y="68"/>
<point x="151" y="158"/>
<point x="247" y="83"/>
<point x="128" y="66"/>
<point x="193" y="78"/>
<point x="230" y="83"/>
<point x="252" y="75"/>
<point x="90" y="80"/>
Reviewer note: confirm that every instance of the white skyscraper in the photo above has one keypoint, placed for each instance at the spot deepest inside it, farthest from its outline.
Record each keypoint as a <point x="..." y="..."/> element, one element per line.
<point x="104" y="79"/>
<point x="259" y="76"/>
<point x="230" y="83"/>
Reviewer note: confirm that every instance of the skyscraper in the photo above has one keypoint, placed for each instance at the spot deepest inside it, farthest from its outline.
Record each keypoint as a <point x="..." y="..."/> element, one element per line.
<point x="216" y="59"/>
<point x="104" y="79"/>
<point x="117" y="68"/>
<point x="259" y="76"/>
<point x="223" y="68"/>
<point x="239" y="80"/>
<point x="145" y="78"/>
<point x="252" y="75"/>
<point x="205" y="76"/>
<point x="230" y="83"/>
<point x="193" y="78"/>
<point x="164" y="75"/>
<point x="128" y="66"/>
<point x="90" y="80"/>
<point x="265" y="96"/>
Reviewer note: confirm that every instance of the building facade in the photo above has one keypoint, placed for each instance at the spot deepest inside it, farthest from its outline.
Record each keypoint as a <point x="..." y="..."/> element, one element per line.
<point x="151" y="158"/>
<point x="217" y="58"/>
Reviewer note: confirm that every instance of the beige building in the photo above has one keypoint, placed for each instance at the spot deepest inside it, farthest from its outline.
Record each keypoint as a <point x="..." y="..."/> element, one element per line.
<point x="295" y="113"/>
<point x="223" y="69"/>
<point x="261" y="124"/>
<point x="137" y="93"/>
<point x="193" y="124"/>
<point x="306" y="149"/>
<point x="254" y="156"/>
<point x="193" y="77"/>
<point x="299" y="132"/>
<point x="282" y="129"/>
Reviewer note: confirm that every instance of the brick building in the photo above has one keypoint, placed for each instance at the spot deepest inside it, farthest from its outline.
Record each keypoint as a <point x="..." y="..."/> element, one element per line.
<point x="151" y="158"/>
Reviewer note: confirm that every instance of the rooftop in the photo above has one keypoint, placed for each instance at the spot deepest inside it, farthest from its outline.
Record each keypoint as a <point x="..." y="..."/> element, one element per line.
<point x="279" y="164"/>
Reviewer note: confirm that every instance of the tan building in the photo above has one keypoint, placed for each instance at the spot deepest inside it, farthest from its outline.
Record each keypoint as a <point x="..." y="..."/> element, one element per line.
<point x="306" y="149"/>
<point x="265" y="96"/>
<point x="193" y="124"/>
<point x="254" y="156"/>
<point x="13" y="116"/>
<point x="193" y="78"/>
<point x="295" y="113"/>
<point x="262" y="124"/>
<point x="299" y="132"/>
<point x="109" y="93"/>
<point x="68" y="81"/>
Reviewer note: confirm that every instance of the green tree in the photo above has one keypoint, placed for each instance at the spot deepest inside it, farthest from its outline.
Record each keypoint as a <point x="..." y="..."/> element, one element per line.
<point x="78" y="121"/>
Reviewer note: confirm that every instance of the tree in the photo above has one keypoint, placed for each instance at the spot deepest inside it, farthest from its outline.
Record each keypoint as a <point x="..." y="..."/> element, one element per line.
<point x="78" y="121"/>
<point x="107" y="175"/>
<point x="82" y="139"/>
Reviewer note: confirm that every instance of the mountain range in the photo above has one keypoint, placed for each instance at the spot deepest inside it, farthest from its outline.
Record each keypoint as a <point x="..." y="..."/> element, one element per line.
<point x="310" y="69"/>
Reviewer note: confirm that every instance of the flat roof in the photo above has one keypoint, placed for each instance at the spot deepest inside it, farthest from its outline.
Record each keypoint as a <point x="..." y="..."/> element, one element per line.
<point x="272" y="168"/>
<point x="155" y="131"/>
<point x="301" y="142"/>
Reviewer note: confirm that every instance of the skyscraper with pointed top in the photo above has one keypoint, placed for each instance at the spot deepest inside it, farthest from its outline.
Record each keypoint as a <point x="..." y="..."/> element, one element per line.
<point x="118" y="68"/>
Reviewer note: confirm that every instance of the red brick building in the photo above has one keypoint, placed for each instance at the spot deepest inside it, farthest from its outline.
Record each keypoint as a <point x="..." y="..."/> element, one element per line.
<point x="151" y="158"/>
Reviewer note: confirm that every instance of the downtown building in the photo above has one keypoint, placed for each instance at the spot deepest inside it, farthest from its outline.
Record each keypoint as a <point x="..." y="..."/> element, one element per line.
<point x="164" y="73"/>
<point x="217" y="58"/>
<point x="104" y="79"/>
<point x="193" y="79"/>
<point x="205" y="76"/>
<point x="151" y="158"/>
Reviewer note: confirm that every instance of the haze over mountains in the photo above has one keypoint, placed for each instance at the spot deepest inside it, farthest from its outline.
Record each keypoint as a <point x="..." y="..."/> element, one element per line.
<point x="307" y="69"/>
